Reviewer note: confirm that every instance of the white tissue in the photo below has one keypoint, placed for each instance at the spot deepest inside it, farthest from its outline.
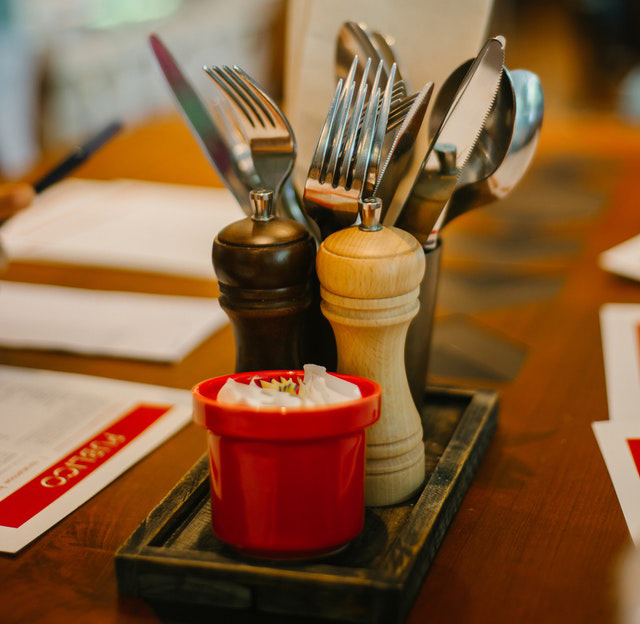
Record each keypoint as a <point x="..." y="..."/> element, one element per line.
<point x="316" y="388"/>
<point x="320" y="387"/>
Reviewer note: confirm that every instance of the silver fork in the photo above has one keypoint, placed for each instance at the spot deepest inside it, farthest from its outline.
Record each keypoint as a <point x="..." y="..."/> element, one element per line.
<point x="346" y="160"/>
<point x="268" y="133"/>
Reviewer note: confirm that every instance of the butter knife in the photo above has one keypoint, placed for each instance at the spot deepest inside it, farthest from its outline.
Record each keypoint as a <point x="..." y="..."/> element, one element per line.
<point x="401" y="150"/>
<point x="419" y="204"/>
<point x="203" y="127"/>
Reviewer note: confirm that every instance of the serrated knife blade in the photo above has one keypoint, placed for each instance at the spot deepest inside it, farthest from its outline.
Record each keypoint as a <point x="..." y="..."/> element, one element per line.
<point x="418" y="204"/>
<point x="203" y="126"/>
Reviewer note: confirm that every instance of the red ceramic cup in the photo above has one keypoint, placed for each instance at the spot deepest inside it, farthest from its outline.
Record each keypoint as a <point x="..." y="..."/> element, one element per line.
<point x="286" y="482"/>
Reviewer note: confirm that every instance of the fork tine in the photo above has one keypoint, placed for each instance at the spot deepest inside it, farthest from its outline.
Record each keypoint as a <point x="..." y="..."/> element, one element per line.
<point x="346" y="137"/>
<point x="351" y="142"/>
<point x="337" y="130"/>
<point x="399" y="110"/>
<point x="377" y="79"/>
<point x="236" y="96"/>
<point x="260" y="96"/>
<point x="245" y="94"/>
<point x="357" y="178"/>
<point x="378" y="136"/>
<point x="363" y="152"/>
<point x="331" y="170"/>
<point x="322" y="144"/>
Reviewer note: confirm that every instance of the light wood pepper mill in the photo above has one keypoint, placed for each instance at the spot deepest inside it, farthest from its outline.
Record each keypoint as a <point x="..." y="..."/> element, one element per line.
<point x="370" y="276"/>
<point x="264" y="266"/>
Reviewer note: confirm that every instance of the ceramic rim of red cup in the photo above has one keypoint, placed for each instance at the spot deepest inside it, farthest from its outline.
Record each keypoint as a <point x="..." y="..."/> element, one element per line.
<point x="284" y="422"/>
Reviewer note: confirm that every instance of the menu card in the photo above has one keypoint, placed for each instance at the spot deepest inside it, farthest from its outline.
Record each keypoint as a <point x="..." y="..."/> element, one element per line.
<point x="619" y="437"/>
<point x="64" y="437"/>
<point x="159" y="328"/>
<point x="623" y="259"/>
<point x="129" y="224"/>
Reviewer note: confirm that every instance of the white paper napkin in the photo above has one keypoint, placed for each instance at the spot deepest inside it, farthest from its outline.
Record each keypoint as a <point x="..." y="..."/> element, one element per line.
<point x="623" y="259"/>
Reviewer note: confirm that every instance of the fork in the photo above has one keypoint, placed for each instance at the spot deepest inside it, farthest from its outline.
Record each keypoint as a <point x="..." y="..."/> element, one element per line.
<point x="268" y="133"/>
<point x="346" y="159"/>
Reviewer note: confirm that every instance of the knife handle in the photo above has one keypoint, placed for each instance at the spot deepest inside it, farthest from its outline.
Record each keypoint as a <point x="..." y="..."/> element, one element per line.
<point x="422" y="209"/>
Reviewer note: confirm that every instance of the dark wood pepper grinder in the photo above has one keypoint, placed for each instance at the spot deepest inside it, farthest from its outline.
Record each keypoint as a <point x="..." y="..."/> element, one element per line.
<point x="265" y="267"/>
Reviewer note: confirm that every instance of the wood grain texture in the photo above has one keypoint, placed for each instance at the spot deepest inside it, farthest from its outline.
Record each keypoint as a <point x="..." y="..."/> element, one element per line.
<point x="539" y="534"/>
<point x="265" y="271"/>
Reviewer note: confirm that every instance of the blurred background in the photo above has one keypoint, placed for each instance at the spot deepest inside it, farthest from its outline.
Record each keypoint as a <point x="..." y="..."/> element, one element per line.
<point x="67" y="65"/>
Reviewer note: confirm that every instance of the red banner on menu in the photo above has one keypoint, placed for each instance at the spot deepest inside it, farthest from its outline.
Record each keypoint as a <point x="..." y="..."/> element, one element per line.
<point x="634" y="446"/>
<point x="49" y="485"/>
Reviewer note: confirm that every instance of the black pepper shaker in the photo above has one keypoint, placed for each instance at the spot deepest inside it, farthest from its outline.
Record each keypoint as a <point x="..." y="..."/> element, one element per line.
<point x="265" y="269"/>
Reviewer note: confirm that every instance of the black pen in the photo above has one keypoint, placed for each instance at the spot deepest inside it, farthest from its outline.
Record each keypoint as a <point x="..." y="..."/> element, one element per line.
<point x="78" y="156"/>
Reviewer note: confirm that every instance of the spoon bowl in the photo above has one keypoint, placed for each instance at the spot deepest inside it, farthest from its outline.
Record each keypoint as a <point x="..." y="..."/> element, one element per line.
<point x="495" y="137"/>
<point x="355" y="39"/>
<point x="526" y="132"/>
<point x="500" y="178"/>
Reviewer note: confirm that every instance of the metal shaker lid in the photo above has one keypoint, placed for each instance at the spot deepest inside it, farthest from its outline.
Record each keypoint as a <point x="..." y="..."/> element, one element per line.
<point x="263" y="251"/>
<point x="369" y="261"/>
<point x="263" y="228"/>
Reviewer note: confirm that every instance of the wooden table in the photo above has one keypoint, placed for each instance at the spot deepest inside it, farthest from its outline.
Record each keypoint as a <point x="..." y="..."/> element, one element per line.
<point x="540" y="531"/>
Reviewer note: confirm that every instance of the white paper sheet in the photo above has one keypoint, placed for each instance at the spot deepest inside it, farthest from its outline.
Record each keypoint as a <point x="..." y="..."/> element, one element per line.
<point x="64" y="437"/>
<point x="619" y="443"/>
<point x="619" y="437"/>
<point x="620" y="329"/>
<point x="130" y="224"/>
<point x="92" y="322"/>
<point x="623" y="259"/>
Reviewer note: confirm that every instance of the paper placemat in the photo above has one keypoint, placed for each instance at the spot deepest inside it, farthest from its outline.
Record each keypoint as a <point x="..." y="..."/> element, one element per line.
<point x="123" y="224"/>
<point x="92" y="322"/>
<point x="619" y="437"/>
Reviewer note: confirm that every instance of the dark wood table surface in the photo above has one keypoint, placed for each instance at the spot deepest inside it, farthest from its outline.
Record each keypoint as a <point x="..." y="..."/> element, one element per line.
<point x="540" y="532"/>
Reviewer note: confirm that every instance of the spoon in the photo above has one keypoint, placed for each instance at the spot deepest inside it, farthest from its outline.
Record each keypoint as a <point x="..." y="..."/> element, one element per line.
<point x="354" y="39"/>
<point x="503" y="173"/>
<point x="493" y="143"/>
<point x="384" y="46"/>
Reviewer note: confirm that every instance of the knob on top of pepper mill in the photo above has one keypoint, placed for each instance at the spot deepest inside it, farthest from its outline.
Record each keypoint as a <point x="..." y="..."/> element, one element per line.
<point x="264" y="265"/>
<point x="394" y="258"/>
<point x="370" y="277"/>
<point x="263" y="251"/>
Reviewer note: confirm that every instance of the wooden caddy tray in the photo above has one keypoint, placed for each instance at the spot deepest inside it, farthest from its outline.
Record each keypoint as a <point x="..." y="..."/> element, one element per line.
<point x="173" y="557"/>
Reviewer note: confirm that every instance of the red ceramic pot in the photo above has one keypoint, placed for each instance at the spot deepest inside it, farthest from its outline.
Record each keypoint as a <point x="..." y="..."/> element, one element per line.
<point x="286" y="482"/>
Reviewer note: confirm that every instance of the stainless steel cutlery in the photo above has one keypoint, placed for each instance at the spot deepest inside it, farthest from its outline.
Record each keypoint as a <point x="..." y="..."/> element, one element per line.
<point x="480" y="137"/>
<point x="236" y="178"/>
<point x="422" y="206"/>
<point x="344" y="166"/>
<point x="366" y="143"/>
